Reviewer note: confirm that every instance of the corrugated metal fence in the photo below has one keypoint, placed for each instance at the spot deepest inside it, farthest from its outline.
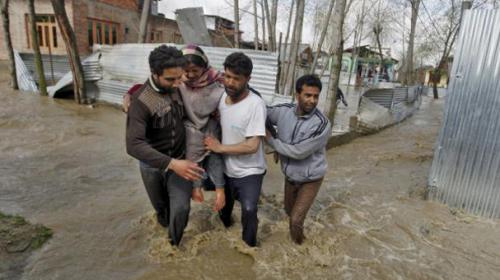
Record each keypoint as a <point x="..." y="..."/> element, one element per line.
<point x="126" y="64"/>
<point x="465" y="172"/>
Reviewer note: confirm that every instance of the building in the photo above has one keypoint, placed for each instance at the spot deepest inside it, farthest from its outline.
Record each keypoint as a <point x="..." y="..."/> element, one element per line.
<point x="366" y="65"/>
<point x="221" y="31"/>
<point x="105" y="22"/>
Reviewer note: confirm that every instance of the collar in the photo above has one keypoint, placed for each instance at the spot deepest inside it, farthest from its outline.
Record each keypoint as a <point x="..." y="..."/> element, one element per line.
<point x="305" y="116"/>
<point x="153" y="85"/>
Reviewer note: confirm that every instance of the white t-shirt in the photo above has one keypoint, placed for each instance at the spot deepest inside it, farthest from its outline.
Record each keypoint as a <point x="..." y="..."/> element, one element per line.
<point x="238" y="121"/>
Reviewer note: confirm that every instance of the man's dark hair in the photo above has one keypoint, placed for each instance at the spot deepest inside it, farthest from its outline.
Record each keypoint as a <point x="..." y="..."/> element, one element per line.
<point x="239" y="63"/>
<point x="164" y="57"/>
<point x="309" y="80"/>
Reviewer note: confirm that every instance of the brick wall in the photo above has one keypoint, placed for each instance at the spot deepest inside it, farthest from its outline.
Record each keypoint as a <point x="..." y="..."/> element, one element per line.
<point x="169" y="28"/>
<point x="80" y="22"/>
<point x="124" y="4"/>
<point x="123" y="12"/>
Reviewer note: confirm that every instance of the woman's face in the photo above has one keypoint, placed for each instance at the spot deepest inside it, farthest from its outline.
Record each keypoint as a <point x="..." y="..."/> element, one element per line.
<point x="193" y="72"/>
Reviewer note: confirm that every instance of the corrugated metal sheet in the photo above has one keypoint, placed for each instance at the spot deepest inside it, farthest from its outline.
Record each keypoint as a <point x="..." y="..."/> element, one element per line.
<point x="24" y="78"/>
<point x="60" y="65"/>
<point x="92" y="72"/>
<point x="465" y="172"/>
<point x="128" y="64"/>
<point x="391" y="97"/>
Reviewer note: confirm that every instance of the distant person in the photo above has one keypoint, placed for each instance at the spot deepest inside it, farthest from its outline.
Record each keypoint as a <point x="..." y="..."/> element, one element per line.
<point x="341" y="97"/>
<point x="242" y="117"/>
<point x="155" y="135"/>
<point x="302" y="134"/>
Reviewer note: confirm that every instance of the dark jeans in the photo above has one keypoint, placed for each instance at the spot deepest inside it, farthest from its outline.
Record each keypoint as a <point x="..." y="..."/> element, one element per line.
<point x="247" y="191"/>
<point x="298" y="199"/>
<point x="170" y="196"/>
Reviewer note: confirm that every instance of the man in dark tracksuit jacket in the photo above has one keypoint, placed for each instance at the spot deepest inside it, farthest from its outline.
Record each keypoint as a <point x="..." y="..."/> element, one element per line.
<point x="303" y="133"/>
<point x="156" y="137"/>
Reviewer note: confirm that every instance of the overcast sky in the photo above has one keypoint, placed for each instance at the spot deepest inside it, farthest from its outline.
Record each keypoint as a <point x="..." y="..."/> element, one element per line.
<point x="224" y="8"/>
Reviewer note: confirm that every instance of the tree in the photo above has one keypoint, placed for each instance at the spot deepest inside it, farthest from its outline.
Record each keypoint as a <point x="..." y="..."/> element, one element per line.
<point x="294" y="47"/>
<point x="8" y="43"/>
<point x="322" y="37"/>
<point x="285" y="62"/>
<point x="452" y="19"/>
<point x="263" y="18"/>
<point x="337" y="47"/>
<point x="256" y="25"/>
<point x="236" y="24"/>
<point x="42" y="84"/>
<point x="143" y="25"/>
<point x="409" y="77"/>
<point x="70" y="42"/>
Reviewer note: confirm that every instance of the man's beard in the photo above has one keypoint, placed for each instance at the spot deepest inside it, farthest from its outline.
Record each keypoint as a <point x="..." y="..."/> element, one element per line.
<point x="167" y="90"/>
<point x="235" y="94"/>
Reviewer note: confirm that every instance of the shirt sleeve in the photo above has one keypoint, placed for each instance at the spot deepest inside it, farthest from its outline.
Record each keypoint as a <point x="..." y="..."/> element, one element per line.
<point x="273" y="113"/>
<point x="137" y="144"/>
<point x="305" y="148"/>
<point x="257" y="122"/>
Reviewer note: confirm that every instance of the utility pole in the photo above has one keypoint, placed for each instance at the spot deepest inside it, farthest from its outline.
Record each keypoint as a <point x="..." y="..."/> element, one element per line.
<point x="143" y="25"/>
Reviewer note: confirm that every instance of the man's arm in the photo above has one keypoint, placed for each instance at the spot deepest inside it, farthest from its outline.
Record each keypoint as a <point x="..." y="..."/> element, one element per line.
<point x="137" y="144"/>
<point x="273" y="112"/>
<point x="139" y="148"/>
<point x="303" y="149"/>
<point x="249" y="146"/>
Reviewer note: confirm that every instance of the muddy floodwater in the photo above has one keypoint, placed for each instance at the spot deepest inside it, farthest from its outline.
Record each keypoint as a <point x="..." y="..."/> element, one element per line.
<point x="65" y="166"/>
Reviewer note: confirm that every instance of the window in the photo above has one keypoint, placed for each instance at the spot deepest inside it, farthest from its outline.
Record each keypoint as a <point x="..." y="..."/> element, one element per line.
<point x="102" y="32"/>
<point x="46" y="27"/>
<point x="156" y="36"/>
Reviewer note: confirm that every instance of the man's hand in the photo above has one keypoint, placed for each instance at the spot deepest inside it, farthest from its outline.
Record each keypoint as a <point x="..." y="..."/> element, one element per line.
<point x="268" y="134"/>
<point x="186" y="169"/>
<point x="216" y="115"/>
<point x="212" y="144"/>
<point x="126" y="103"/>
<point x="220" y="199"/>
<point x="197" y="195"/>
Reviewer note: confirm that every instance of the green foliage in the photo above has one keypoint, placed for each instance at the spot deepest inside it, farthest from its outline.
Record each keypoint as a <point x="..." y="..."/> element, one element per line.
<point x="18" y="235"/>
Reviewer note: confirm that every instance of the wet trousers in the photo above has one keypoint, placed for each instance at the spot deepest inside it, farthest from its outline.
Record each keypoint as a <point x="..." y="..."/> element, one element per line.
<point x="247" y="191"/>
<point x="298" y="199"/>
<point x="170" y="196"/>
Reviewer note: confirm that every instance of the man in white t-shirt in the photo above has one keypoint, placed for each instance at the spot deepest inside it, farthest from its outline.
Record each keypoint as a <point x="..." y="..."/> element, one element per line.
<point x="242" y="117"/>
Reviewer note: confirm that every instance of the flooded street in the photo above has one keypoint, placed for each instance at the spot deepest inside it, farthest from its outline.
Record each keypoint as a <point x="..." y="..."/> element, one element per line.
<point x="65" y="166"/>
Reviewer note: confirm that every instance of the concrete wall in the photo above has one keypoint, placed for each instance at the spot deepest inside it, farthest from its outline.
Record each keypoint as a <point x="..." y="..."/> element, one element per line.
<point x="18" y="27"/>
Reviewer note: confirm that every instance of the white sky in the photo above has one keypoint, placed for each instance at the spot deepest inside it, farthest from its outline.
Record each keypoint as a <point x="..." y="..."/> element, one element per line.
<point x="224" y="8"/>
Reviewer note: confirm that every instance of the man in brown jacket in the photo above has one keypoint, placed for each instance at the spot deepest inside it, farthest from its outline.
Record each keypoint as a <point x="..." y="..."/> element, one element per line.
<point x="156" y="137"/>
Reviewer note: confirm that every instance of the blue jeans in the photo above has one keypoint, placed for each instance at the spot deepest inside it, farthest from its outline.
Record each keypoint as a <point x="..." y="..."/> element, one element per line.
<point x="170" y="196"/>
<point x="247" y="191"/>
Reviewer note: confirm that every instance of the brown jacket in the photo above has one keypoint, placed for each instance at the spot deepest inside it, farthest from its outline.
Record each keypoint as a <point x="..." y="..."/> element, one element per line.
<point x="155" y="129"/>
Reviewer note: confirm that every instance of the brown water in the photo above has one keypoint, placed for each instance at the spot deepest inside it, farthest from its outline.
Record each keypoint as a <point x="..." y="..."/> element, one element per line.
<point x="65" y="166"/>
